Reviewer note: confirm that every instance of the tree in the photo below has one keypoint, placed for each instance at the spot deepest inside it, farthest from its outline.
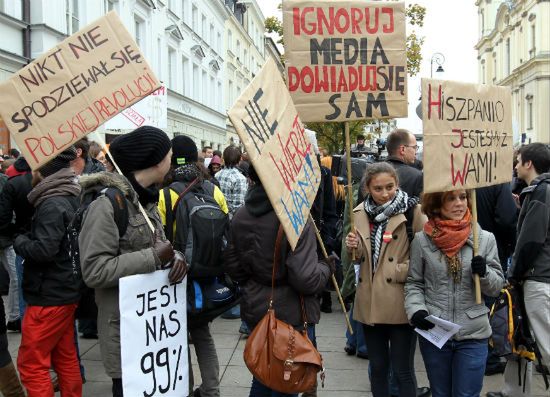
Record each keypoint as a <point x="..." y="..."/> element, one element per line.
<point x="331" y="135"/>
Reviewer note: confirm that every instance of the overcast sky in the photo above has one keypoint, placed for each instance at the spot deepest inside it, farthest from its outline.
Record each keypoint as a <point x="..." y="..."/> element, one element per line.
<point x="450" y="28"/>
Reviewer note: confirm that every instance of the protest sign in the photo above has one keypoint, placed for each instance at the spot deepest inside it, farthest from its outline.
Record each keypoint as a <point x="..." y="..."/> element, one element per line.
<point x="74" y="88"/>
<point x="275" y="139"/>
<point x="467" y="135"/>
<point x="346" y="60"/>
<point x="4" y="137"/>
<point x="151" y="110"/>
<point x="153" y="335"/>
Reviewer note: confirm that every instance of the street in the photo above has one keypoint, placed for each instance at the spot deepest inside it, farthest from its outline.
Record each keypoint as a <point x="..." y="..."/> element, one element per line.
<point x="345" y="376"/>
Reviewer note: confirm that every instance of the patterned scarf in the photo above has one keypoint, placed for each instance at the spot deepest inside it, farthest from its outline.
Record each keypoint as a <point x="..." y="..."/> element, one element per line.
<point x="380" y="215"/>
<point x="449" y="236"/>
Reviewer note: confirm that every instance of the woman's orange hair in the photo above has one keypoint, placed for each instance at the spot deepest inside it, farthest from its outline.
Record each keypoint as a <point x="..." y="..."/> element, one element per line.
<point x="339" y="191"/>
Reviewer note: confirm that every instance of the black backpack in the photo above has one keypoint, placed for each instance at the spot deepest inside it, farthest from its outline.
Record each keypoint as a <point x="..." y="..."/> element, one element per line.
<point x="201" y="227"/>
<point x="201" y="232"/>
<point x="120" y="208"/>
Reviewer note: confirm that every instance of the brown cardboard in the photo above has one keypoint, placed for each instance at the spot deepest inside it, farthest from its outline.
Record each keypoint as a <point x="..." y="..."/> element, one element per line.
<point x="332" y="37"/>
<point x="74" y="88"/>
<point x="274" y="137"/>
<point x="467" y="135"/>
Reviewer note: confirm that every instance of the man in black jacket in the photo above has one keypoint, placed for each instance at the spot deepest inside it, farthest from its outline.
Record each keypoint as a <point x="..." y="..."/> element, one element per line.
<point x="13" y="201"/>
<point x="531" y="259"/>
<point x="51" y="282"/>
<point x="402" y="148"/>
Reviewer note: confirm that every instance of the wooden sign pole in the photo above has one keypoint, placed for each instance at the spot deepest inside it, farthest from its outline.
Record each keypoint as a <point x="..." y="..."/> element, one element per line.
<point x="476" y="243"/>
<point x="349" y="185"/>
<point x="334" y="282"/>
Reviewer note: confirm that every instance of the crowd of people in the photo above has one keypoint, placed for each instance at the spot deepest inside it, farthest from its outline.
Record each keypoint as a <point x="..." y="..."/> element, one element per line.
<point x="409" y="256"/>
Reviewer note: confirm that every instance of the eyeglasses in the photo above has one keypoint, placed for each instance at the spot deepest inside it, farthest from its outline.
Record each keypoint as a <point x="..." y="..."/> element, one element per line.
<point x="415" y="147"/>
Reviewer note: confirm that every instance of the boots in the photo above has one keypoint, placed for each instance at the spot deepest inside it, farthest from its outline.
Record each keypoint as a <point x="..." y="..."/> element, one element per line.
<point x="9" y="382"/>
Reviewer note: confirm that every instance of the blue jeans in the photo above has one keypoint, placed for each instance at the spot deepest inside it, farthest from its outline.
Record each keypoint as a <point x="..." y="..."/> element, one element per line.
<point x="357" y="340"/>
<point x="19" y="268"/>
<point x="260" y="390"/>
<point x="457" y="369"/>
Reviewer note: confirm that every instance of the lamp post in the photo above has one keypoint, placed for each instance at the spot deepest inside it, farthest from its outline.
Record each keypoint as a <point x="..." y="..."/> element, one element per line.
<point x="439" y="59"/>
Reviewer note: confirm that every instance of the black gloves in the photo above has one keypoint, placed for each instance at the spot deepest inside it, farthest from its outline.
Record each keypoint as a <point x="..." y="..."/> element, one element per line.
<point x="479" y="266"/>
<point x="419" y="320"/>
<point x="330" y="262"/>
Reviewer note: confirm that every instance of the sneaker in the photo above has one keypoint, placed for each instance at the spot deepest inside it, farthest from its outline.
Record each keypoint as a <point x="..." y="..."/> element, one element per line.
<point x="349" y="350"/>
<point x="244" y="329"/>
<point x="14" y="326"/>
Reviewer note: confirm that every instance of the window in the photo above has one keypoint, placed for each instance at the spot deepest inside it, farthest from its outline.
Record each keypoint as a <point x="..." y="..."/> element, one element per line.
<point x="183" y="9"/>
<point x="195" y="19"/>
<point x="71" y="16"/>
<point x="138" y="32"/>
<point x="230" y="94"/>
<point x="171" y="69"/>
<point x="482" y="18"/>
<point x="196" y="84"/>
<point x="159" y="59"/>
<point x="530" y="114"/>
<point x="219" y="96"/>
<point x="203" y="27"/>
<point x="483" y="81"/>
<point x="204" y="96"/>
<point x="532" y="50"/>
<point x="229" y="41"/>
<point x="238" y="49"/>
<point x="245" y="58"/>
<point x="507" y="57"/>
<point x="494" y="70"/>
<point x="212" y="91"/>
<point x="212" y="37"/>
<point x="219" y="43"/>
<point x="109" y="5"/>
<point x="185" y="71"/>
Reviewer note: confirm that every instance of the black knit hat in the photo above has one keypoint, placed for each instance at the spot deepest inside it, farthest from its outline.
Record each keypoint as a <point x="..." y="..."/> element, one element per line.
<point x="184" y="151"/>
<point x="63" y="160"/>
<point x="142" y="148"/>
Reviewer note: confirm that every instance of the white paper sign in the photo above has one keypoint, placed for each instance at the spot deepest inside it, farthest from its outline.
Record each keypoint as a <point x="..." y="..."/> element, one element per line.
<point x="151" y="110"/>
<point x="153" y="335"/>
<point x="441" y="333"/>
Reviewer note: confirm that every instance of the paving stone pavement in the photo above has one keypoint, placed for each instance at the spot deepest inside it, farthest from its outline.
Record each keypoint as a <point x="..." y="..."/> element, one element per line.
<point x="346" y="375"/>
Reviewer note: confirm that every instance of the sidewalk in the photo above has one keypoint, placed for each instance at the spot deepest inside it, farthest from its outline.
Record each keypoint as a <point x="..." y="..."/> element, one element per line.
<point x="346" y="376"/>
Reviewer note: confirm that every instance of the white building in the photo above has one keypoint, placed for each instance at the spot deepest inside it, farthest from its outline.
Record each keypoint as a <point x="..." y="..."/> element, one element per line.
<point x="182" y="40"/>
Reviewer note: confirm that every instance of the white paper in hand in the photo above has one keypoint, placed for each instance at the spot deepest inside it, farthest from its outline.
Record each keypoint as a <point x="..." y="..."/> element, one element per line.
<point x="441" y="333"/>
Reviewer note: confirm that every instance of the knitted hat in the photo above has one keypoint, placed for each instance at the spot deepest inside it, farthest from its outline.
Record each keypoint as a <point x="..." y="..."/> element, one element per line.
<point x="142" y="148"/>
<point x="63" y="160"/>
<point x="216" y="160"/>
<point x="184" y="151"/>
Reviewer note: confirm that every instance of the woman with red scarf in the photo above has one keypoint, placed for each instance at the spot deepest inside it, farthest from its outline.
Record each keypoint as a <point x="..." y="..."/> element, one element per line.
<point x="441" y="283"/>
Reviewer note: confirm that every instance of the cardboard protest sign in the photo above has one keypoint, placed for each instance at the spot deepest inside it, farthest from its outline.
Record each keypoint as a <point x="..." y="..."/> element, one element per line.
<point x="346" y="60"/>
<point x="73" y="88"/>
<point x="467" y="135"/>
<point x="274" y="137"/>
<point x="151" y="110"/>
<point x="4" y="137"/>
<point x="153" y="335"/>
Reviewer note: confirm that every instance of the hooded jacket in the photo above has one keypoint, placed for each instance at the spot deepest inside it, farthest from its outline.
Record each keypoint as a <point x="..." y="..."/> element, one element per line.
<point x="531" y="260"/>
<point x="49" y="278"/>
<point x="249" y="261"/>
<point x="105" y="257"/>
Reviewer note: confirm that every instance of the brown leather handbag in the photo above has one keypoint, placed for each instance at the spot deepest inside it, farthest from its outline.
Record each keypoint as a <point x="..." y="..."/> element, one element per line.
<point x="278" y="355"/>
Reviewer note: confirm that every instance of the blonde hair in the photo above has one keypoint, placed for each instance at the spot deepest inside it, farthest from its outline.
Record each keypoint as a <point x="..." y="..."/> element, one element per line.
<point x="339" y="191"/>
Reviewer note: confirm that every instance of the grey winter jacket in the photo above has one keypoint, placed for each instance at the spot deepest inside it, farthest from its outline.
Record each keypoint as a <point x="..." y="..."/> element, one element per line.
<point x="430" y="287"/>
<point x="105" y="257"/>
<point x="531" y="260"/>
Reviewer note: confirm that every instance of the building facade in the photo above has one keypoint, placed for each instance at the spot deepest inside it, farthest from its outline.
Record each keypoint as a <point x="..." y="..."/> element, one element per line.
<point x="245" y="54"/>
<point x="184" y="41"/>
<point x="514" y="50"/>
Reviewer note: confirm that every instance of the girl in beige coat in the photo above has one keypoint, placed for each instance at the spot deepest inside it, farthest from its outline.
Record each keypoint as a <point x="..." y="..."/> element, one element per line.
<point x="384" y="225"/>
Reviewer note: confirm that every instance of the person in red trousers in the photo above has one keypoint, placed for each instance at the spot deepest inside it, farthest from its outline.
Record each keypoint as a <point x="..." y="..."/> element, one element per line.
<point x="51" y="284"/>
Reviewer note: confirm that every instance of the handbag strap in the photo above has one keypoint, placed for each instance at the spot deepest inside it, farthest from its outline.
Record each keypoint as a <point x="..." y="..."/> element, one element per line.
<point x="276" y="261"/>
